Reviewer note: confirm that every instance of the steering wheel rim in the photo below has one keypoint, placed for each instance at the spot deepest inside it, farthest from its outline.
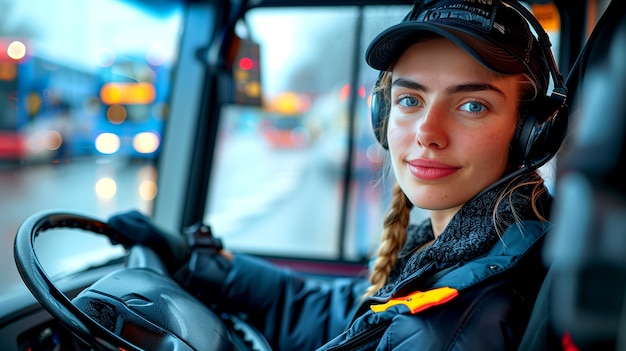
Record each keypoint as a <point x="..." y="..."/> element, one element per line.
<point x="47" y="293"/>
<point x="90" y="331"/>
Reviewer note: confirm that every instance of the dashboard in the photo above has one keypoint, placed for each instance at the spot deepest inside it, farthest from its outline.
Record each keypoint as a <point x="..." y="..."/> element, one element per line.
<point x="26" y="326"/>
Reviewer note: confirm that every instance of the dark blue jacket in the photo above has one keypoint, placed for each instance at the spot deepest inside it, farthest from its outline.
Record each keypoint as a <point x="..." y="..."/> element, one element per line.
<point x="481" y="305"/>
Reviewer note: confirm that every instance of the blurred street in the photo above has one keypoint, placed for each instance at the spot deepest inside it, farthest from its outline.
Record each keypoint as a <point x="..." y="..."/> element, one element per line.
<point x="270" y="214"/>
<point x="97" y="187"/>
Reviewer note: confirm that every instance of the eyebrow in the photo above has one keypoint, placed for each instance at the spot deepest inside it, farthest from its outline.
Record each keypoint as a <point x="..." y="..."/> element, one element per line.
<point x="461" y="88"/>
<point x="405" y="83"/>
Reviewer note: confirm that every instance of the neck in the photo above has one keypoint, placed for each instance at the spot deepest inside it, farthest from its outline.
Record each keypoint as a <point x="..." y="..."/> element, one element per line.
<point x="440" y="218"/>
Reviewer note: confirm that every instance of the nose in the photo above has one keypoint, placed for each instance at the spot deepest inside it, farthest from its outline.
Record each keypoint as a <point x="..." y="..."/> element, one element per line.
<point x="431" y="130"/>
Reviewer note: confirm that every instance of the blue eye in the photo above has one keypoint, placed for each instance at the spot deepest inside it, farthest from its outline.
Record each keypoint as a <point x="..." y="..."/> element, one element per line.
<point x="409" y="101"/>
<point x="473" y="107"/>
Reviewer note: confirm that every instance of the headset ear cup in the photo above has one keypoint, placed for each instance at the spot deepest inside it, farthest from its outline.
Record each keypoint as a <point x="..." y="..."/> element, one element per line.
<point x="379" y="111"/>
<point x="520" y="139"/>
<point x="550" y="134"/>
<point x="540" y="134"/>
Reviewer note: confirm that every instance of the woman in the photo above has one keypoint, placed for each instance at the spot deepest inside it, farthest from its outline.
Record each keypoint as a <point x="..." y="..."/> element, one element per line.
<point x="450" y="106"/>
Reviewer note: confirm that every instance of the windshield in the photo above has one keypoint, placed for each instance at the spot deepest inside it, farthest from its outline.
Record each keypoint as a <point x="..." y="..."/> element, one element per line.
<point x="83" y="102"/>
<point x="281" y="166"/>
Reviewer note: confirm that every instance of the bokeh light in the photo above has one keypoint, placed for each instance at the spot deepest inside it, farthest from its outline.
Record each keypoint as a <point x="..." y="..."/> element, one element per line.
<point x="106" y="188"/>
<point x="16" y="50"/>
<point x="107" y="143"/>
<point x="146" y="142"/>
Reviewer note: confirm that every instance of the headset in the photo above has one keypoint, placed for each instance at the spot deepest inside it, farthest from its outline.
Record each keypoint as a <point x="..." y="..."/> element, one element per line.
<point x="542" y="124"/>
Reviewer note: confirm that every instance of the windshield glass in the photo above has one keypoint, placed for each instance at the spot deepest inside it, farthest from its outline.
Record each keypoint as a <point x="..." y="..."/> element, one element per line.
<point x="280" y="185"/>
<point x="83" y="101"/>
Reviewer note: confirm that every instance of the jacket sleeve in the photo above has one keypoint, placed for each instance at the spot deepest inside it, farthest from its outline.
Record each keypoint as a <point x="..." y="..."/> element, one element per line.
<point x="292" y="311"/>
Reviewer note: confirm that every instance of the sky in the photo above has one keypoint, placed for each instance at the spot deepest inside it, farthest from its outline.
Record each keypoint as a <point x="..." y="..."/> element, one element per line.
<point x="77" y="31"/>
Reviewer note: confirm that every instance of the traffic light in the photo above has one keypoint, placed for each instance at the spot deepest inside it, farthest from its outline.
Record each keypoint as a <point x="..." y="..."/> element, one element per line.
<point x="246" y="74"/>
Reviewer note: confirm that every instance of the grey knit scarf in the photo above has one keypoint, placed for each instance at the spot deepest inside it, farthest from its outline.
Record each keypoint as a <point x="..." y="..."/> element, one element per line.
<point x="470" y="233"/>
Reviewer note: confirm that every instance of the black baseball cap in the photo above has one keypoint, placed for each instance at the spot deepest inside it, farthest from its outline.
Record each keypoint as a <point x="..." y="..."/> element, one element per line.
<point x="492" y="31"/>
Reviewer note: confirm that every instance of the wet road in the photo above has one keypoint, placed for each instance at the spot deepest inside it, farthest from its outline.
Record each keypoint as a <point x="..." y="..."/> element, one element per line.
<point x="97" y="187"/>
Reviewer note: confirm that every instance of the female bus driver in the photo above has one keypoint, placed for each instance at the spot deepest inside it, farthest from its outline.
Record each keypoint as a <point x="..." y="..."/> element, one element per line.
<point x="462" y="107"/>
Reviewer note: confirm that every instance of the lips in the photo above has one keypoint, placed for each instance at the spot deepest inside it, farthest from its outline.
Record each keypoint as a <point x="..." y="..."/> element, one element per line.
<point x="430" y="170"/>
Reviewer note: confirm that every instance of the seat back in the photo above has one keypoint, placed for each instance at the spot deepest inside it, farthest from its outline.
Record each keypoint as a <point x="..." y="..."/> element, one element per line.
<point x="582" y="297"/>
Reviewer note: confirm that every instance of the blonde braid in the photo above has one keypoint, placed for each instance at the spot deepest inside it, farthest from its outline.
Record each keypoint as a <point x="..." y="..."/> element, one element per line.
<point x="392" y="241"/>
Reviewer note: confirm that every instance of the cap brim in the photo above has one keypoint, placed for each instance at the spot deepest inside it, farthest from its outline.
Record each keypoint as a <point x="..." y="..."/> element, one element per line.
<point x="387" y="47"/>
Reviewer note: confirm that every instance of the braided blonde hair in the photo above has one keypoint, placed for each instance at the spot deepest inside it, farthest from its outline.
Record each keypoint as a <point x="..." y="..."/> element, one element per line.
<point x="392" y="241"/>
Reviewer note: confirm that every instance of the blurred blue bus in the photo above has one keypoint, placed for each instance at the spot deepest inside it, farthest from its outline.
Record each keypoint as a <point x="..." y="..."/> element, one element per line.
<point x="46" y="107"/>
<point x="133" y="92"/>
<point x="58" y="111"/>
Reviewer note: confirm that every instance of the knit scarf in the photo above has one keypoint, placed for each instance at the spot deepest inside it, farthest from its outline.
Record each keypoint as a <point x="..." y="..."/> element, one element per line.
<point x="470" y="234"/>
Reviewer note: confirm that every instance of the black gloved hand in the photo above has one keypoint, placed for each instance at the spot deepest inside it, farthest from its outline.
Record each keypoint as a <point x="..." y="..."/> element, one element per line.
<point x="194" y="260"/>
<point x="204" y="273"/>
<point x="136" y="228"/>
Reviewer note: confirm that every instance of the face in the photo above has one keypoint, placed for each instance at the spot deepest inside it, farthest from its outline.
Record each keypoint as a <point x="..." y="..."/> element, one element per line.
<point x="450" y="125"/>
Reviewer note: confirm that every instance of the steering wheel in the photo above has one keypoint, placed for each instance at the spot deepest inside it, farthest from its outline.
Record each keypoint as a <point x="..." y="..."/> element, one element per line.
<point x="135" y="308"/>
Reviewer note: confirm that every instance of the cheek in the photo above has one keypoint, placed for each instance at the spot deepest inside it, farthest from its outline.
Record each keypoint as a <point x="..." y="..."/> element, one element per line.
<point x="492" y="149"/>
<point x="398" y="139"/>
<point x="398" y="136"/>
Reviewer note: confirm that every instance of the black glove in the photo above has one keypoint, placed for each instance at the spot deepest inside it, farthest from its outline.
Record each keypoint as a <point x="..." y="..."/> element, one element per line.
<point x="205" y="271"/>
<point x="137" y="229"/>
<point x="194" y="260"/>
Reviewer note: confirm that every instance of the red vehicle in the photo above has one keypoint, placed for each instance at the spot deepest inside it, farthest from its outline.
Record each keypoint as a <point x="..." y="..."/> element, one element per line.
<point x="14" y="65"/>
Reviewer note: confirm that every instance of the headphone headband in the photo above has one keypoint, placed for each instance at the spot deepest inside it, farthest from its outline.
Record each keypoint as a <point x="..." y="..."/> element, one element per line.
<point x="559" y="93"/>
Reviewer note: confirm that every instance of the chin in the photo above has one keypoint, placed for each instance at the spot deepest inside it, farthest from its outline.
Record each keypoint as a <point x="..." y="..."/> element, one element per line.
<point x="437" y="204"/>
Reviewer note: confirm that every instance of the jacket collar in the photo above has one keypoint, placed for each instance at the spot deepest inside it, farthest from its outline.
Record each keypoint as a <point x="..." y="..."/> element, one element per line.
<point x="512" y="247"/>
